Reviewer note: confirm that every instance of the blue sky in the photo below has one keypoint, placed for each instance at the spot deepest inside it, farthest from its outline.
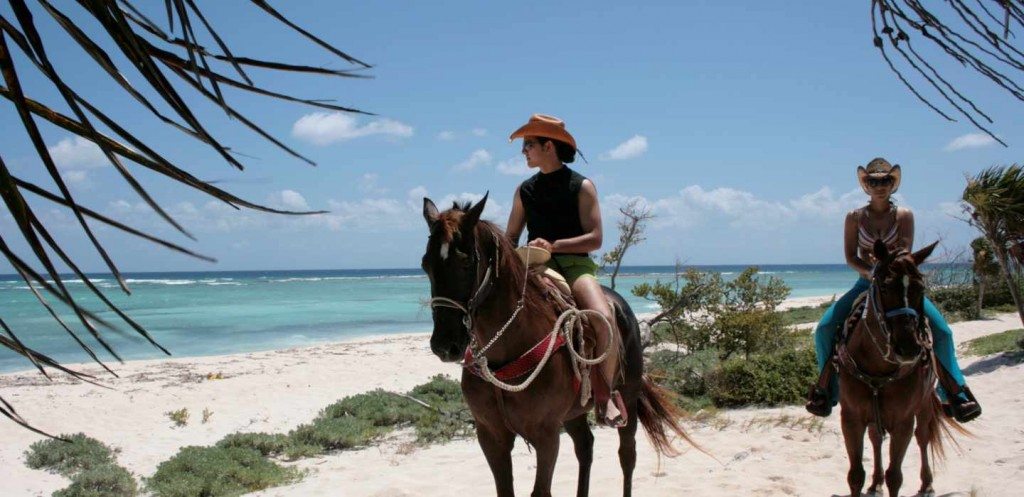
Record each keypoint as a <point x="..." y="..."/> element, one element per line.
<point x="740" y="123"/>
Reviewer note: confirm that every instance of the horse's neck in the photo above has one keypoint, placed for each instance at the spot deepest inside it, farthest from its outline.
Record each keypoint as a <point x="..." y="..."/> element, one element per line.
<point x="525" y="331"/>
<point x="862" y="345"/>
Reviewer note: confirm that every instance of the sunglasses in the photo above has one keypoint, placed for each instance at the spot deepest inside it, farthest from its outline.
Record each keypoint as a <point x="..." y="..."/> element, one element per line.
<point x="528" y="144"/>
<point x="883" y="181"/>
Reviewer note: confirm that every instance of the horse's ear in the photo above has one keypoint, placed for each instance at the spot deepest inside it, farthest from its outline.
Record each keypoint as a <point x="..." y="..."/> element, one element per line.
<point x="921" y="255"/>
<point x="880" y="250"/>
<point x="473" y="214"/>
<point x="430" y="213"/>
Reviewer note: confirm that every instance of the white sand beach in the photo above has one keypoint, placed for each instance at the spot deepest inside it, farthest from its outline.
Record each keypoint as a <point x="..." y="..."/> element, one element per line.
<point x="759" y="451"/>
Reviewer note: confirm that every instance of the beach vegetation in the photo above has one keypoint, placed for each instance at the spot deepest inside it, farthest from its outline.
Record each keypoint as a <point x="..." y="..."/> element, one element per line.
<point x="703" y="310"/>
<point x="68" y="455"/>
<point x="994" y="203"/>
<point x="1007" y="341"/>
<point x="336" y="433"/>
<point x="772" y="379"/>
<point x="217" y="471"/>
<point x="267" y="444"/>
<point x="805" y="314"/>
<point x="178" y="417"/>
<point x="207" y="414"/>
<point x="89" y="463"/>
<point x="108" y="480"/>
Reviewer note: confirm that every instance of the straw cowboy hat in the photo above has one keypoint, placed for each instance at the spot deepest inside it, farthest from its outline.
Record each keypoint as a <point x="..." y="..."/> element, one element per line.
<point x="879" y="168"/>
<point x="544" y="126"/>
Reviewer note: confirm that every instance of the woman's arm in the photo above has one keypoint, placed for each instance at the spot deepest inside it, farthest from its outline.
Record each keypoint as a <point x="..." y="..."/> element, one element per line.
<point x="590" y="219"/>
<point x="850" y="245"/>
<point x="516" y="220"/>
<point x="905" y="223"/>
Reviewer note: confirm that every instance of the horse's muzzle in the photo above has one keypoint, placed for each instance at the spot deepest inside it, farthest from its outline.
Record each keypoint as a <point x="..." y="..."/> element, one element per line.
<point x="448" y="352"/>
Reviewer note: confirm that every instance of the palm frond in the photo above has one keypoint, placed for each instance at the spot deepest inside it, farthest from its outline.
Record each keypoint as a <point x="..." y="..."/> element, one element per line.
<point x="159" y="59"/>
<point x="970" y="34"/>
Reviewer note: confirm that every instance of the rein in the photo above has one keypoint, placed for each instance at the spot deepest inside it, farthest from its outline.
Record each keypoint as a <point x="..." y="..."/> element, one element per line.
<point x="880" y="316"/>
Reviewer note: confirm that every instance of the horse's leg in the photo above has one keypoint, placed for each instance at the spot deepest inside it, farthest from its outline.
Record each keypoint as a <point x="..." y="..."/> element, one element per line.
<point x="923" y="433"/>
<point x="583" y="442"/>
<point x="898" y="444"/>
<point x="853" y="434"/>
<point x="877" y="477"/>
<point x="497" y="446"/>
<point x="547" y="454"/>
<point x="627" y="449"/>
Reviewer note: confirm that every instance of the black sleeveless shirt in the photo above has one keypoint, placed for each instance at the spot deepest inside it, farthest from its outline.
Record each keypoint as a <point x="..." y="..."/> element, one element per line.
<point x="552" y="205"/>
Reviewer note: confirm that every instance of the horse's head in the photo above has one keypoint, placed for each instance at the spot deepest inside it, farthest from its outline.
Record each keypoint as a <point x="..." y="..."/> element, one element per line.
<point x="898" y="298"/>
<point x="452" y="263"/>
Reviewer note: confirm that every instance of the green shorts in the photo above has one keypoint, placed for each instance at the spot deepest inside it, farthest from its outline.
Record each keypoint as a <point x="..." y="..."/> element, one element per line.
<point x="573" y="267"/>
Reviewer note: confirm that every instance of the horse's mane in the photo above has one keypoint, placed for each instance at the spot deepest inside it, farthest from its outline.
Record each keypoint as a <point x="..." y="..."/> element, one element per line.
<point x="491" y="239"/>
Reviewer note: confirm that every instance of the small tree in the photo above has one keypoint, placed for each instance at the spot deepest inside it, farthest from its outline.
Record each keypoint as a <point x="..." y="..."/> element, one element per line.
<point x="631" y="233"/>
<point x="984" y="268"/>
<point x="994" y="202"/>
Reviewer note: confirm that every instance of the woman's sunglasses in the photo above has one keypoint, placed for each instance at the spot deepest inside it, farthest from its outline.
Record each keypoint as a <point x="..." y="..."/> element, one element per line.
<point x="883" y="181"/>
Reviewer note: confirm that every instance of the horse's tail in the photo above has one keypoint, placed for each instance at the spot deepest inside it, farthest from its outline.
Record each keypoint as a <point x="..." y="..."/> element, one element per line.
<point x="941" y="428"/>
<point x="660" y="416"/>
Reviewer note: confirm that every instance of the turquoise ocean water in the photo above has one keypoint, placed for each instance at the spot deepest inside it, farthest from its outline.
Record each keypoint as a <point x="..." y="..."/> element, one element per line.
<point x="210" y="313"/>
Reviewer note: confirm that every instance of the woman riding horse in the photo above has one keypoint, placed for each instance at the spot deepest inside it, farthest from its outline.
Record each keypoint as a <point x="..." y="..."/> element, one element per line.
<point x="882" y="219"/>
<point x="560" y="209"/>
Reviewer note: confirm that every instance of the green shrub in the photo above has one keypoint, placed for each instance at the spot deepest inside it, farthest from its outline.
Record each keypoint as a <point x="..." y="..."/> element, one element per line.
<point x="956" y="301"/>
<point x="336" y="433"/>
<point x="67" y="458"/>
<point x="379" y="407"/>
<point x="684" y="374"/>
<point x="801" y="315"/>
<point x="101" y="481"/>
<point x="769" y="379"/>
<point x="217" y="471"/>
<point x="454" y="419"/>
<point x="1007" y="341"/>
<point x="266" y="444"/>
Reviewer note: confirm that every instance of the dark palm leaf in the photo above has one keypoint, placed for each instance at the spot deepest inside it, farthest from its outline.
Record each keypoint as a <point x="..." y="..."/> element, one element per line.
<point x="156" y="56"/>
<point x="976" y="34"/>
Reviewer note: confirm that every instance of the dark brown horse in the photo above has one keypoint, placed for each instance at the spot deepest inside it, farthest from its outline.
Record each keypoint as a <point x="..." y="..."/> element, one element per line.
<point x="473" y="267"/>
<point x="887" y="375"/>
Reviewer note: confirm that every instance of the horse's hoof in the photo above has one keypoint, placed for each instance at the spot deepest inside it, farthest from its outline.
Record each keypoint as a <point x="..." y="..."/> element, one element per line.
<point x="926" y="493"/>
<point x="875" y="493"/>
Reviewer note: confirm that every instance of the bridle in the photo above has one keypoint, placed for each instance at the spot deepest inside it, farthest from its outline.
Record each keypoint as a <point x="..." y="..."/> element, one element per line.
<point x="882" y="316"/>
<point x="483" y="289"/>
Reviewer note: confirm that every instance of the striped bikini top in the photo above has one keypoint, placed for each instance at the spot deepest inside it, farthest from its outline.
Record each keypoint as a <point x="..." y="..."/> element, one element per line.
<point x="866" y="240"/>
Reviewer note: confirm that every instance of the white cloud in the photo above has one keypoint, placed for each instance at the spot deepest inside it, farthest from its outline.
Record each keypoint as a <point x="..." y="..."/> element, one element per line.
<point x="289" y="200"/>
<point x="970" y="140"/>
<point x="76" y="178"/>
<point x="695" y="206"/>
<point x="629" y="149"/>
<point x="476" y="159"/>
<point x="515" y="166"/>
<point x="323" y="128"/>
<point x="77" y="153"/>
<point x="368" y="184"/>
<point x="479" y="132"/>
<point x="446" y="135"/>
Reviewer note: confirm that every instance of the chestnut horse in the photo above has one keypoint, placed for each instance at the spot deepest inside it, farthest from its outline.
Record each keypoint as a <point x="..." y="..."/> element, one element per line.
<point x="887" y="374"/>
<point x="482" y="294"/>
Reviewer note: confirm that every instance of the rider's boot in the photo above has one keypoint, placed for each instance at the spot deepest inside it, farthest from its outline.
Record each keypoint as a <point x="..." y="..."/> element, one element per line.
<point x="818" y="401"/>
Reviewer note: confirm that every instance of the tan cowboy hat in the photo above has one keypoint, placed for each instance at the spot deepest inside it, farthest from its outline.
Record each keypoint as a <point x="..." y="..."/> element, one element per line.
<point x="879" y="168"/>
<point x="536" y="255"/>
<point x="544" y="126"/>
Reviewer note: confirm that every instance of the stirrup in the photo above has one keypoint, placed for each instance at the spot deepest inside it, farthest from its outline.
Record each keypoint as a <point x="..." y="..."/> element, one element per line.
<point x="818" y="402"/>
<point x="960" y="409"/>
<point x="620" y="419"/>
